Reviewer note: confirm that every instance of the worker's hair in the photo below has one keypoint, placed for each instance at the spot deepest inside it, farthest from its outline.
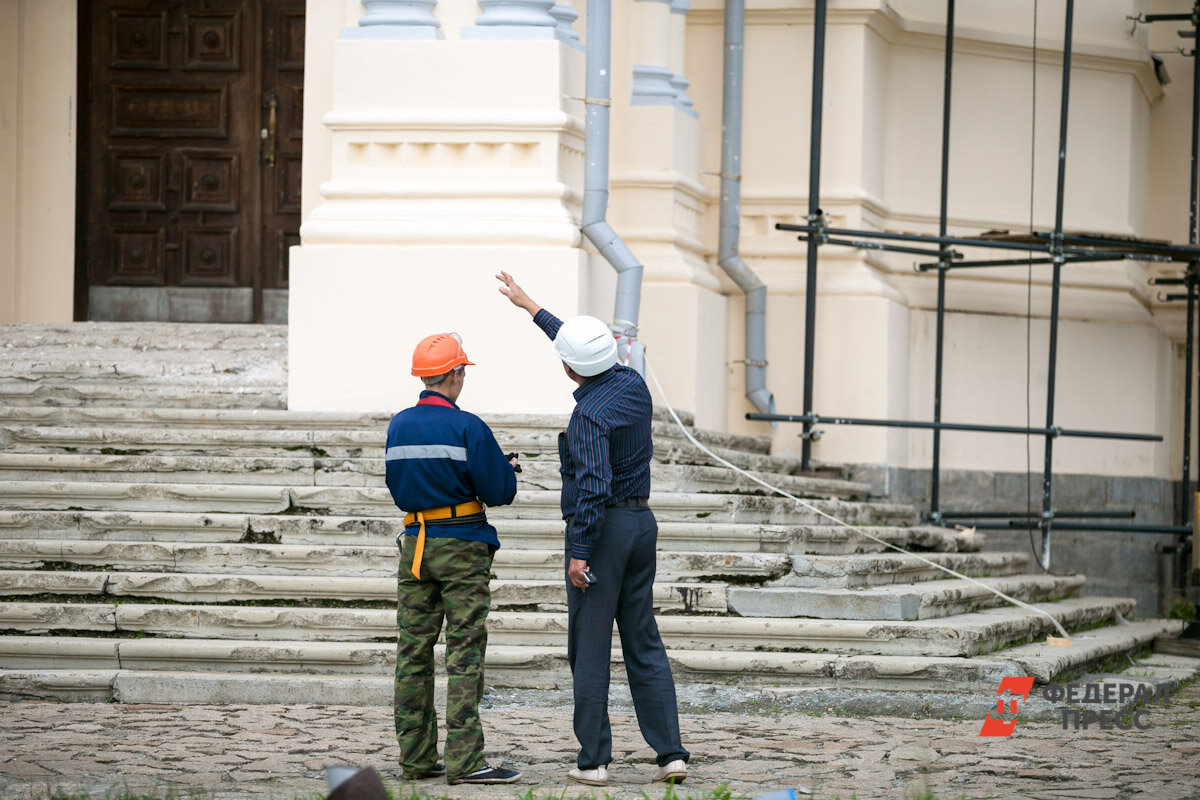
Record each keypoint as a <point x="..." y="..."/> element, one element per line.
<point x="431" y="381"/>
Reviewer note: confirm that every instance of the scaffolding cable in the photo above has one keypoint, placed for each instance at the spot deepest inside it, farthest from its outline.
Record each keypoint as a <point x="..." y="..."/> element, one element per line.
<point x="836" y="520"/>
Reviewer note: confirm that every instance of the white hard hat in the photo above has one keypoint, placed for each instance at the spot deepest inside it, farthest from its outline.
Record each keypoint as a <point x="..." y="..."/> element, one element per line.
<point x="586" y="344"/>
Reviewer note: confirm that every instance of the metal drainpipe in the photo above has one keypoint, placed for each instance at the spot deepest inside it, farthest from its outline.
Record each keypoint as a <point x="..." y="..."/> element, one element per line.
<point x="595" y="177"/>
<point x="731" y="212"/>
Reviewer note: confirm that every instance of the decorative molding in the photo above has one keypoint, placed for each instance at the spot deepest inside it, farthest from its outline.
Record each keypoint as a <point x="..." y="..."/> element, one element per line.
<point x="652" y="86"/>
<point x="514" y="20"/>
<point x="400" y="119"/>
<point x="564" y="18"/>
<point x="894" y="29"/>
<point x="396" y="19"/>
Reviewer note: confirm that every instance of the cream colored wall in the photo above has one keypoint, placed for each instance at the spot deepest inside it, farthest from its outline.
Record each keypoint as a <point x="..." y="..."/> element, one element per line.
<point x="38" y="106"/>
<point x="881" y="149"/>
<point x="10" y="50"/>
<point x="447" y="160"/>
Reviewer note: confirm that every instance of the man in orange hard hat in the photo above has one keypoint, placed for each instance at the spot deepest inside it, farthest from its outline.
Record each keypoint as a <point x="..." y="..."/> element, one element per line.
<point x="443" y="467"/>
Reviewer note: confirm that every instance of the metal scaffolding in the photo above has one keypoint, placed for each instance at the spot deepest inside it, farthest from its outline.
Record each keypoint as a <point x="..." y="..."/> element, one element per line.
<point x="1055" y="247"/>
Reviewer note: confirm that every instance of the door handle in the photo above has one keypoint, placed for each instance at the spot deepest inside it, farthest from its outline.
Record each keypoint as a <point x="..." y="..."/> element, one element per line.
<point x="268" y="134"/>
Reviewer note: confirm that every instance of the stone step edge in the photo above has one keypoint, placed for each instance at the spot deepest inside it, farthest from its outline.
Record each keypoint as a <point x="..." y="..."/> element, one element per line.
<point x="965" y="635"/>
<point x="292" y="559"/>
<point x="163" y="468"/>
<point x="1087" y="649"/>
<point x="546" y="667"/>
<point x="512" y="665"/>
<point x="270" y="498"/>
<point x="900" y="601"/>
<point x="226" y="588"/>
<point x="234" y="527"/>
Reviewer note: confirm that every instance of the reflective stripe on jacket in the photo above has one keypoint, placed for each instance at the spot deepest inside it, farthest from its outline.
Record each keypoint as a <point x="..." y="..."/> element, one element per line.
<point x="439" y="455"/>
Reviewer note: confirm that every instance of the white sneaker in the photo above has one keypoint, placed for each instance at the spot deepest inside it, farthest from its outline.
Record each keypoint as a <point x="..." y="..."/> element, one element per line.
<point x="592" y="777"/>
<point x="674" y="771"/>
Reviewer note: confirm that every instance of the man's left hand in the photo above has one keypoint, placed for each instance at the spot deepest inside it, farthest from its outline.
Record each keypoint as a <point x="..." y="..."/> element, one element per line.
<point x="575" y="570"/>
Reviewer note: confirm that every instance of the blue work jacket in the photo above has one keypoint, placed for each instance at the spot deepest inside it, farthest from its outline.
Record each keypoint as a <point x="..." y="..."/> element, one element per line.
<point x="439" y="455"/>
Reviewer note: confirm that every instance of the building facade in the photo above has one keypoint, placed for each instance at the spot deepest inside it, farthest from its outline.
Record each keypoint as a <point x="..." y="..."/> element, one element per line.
<point x="152" y="168"/>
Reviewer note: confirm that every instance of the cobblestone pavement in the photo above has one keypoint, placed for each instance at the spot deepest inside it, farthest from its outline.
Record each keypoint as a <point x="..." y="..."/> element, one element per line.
<point x="280" y="752"/>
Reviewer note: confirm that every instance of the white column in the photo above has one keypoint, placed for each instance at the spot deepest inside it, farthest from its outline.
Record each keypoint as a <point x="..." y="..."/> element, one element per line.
<point x="449" y="159"/>
<point x="679" y="10"/>
<point x="396" y="19"/>
<point x="652" y="54"/>
<point x="658" y="204"/>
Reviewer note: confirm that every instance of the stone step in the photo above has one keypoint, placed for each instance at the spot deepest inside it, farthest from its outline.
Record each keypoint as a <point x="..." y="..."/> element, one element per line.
<point x="166" y="393"/>
<point x="351" y="443"/>
<point x="940" y="598"/>
<point x="541" y="429"/>
<point x="974" y="634"/>
<point x="199" y="418"/>
<point x="379" y="561"/>
<point x="138" y="339"/>
<point x="240" y="588"/>
<point x="309" y="470"/>
<point x="857" y="571"/>
<point x="375" y="501"/>
<point x="274" y="432"/>
<point x="542" y="668"/>
<point x="173" y="671"/>
<point x="328" y="530"/>
<point x="966" y="635"/>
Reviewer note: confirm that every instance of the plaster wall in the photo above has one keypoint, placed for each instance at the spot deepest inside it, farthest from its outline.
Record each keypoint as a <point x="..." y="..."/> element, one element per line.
<point x="38" y="117"/>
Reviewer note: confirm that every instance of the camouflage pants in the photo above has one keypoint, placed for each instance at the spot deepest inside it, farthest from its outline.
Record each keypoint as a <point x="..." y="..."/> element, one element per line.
<point x="454" y="585"/>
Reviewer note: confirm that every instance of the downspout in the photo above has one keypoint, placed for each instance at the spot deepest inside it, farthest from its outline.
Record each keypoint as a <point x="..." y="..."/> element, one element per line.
<point x="731" y="212"/>
<point x="595" y="177"/>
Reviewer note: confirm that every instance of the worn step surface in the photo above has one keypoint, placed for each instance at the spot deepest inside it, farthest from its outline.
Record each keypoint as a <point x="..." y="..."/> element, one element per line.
<point x="309" y="470"/>
<point x="376" y="501"/>
<point x="138" y="671"/>
<point x="340" y="441"/>
<point x="926" y="600"/>
<point x="346" y="560"/>
<point x="284" y="588"/>
<point x="705" y="537"/>
<point x="238" y="552"/>
<point x="143" y="364"/>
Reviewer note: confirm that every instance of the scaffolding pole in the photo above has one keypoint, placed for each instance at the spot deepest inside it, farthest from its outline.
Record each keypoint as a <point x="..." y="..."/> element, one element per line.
<point x="814" y="217"/>
<point x="944" y="260"/>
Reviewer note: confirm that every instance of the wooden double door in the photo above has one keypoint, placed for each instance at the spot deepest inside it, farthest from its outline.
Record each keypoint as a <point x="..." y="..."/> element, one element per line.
<point x="191" y="118"/>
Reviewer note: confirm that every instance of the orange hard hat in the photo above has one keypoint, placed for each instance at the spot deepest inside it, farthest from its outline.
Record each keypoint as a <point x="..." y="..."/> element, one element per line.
<point x="438" y="354"/>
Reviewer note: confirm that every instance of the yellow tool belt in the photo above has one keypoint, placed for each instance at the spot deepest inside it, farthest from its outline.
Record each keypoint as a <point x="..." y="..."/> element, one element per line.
<point x="433" y="514"/>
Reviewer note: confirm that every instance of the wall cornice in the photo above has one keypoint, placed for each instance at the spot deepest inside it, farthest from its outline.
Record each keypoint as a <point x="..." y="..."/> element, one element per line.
<point x="885" y="22"/>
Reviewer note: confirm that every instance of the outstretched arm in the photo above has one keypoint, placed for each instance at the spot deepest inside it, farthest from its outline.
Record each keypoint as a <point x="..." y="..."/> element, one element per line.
<point x="513" y="291"/>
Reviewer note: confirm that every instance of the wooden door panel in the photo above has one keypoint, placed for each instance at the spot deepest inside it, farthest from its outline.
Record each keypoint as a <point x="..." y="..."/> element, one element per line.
<point x="138" y="180"/>
<point x="283" y="72"/>
<point x="213" y="40"/>
<point x="175" y="189"/>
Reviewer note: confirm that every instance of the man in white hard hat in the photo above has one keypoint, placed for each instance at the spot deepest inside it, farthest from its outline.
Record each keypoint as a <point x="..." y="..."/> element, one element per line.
<point x="611" y="542"/>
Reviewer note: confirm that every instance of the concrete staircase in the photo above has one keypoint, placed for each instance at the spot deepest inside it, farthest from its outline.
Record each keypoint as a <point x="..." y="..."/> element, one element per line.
<point x="169" y="534"/>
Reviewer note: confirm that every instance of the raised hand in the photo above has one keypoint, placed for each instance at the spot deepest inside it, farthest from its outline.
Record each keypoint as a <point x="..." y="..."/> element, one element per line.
<point x="513" y="291"/>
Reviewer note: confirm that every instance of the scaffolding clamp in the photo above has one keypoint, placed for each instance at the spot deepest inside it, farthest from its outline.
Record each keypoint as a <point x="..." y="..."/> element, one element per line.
<point x="814" y="435"/>
<point x="818" y="224"/>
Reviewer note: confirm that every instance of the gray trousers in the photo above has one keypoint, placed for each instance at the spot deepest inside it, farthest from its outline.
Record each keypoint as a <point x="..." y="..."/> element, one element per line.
<point x="623" y="562"/>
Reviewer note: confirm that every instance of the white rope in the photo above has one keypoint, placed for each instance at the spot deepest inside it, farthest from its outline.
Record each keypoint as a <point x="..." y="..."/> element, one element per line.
<point x="843" y="523"/>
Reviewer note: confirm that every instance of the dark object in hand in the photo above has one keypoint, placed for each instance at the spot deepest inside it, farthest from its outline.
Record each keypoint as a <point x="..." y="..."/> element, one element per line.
<point x="510" y="457"/>
<point x="589" y="577"/>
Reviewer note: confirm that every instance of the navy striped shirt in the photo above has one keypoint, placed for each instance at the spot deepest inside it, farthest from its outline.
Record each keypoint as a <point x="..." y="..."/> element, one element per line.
<point x="604" y="456"/>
